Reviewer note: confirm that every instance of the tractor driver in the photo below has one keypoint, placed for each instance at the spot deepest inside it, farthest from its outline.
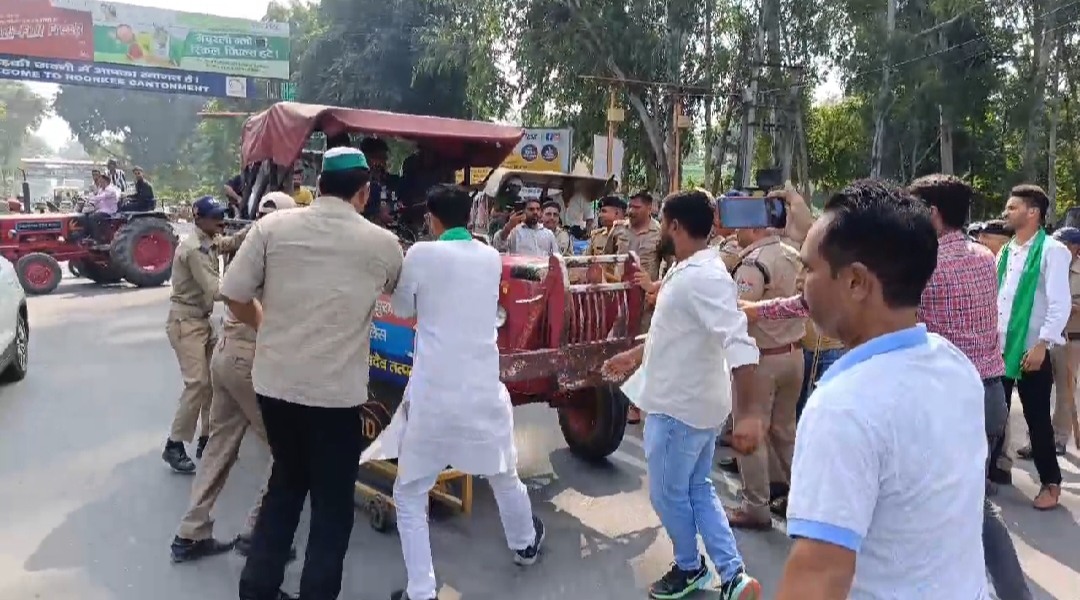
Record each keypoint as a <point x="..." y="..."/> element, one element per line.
<point x="195" y="283"/>
<point x="101" y="206"/>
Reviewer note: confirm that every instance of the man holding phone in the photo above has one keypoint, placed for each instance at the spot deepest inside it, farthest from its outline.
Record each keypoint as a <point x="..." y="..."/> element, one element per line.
<point x="523" y="233"/>
<point x="768" y="268"/>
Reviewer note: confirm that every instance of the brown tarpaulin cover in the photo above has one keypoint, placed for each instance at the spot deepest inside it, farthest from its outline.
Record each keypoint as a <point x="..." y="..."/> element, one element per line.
<point x="280" y="132"/>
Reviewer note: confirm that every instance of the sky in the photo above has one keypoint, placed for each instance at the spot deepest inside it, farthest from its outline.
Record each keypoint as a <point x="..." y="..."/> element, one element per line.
<point x="56" y="133"/>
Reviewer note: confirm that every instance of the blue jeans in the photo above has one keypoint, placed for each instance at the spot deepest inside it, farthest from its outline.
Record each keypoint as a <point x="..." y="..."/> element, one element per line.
<point x="825" y="360"/>
<point x="680" y="460"/>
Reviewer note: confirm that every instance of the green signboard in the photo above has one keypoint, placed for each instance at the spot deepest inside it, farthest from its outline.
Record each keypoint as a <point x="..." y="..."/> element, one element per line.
<point x="123" y="34"/>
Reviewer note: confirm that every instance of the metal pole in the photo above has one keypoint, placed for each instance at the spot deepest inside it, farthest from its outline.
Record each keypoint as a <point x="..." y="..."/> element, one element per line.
<point x="611" y="136"/>
<point x="675" y="170"/>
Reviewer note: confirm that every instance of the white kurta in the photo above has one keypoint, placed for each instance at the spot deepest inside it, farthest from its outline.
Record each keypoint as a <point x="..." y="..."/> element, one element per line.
<point x="455" y="412"/>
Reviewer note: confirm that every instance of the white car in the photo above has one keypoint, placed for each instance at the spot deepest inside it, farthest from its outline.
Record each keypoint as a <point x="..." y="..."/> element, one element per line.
<point x="14" y="325"/>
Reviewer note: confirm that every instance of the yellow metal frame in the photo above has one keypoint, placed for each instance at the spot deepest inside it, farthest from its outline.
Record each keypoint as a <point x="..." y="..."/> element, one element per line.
<point x="440" y="493"/>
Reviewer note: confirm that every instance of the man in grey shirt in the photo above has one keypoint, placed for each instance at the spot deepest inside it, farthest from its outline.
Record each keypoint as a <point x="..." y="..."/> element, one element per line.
<point x="321" y="271"/>
<point x="524" y="234"/>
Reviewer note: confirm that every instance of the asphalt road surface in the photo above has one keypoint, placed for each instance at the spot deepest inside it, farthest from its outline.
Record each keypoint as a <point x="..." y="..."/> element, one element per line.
<point x="87" y="508"/>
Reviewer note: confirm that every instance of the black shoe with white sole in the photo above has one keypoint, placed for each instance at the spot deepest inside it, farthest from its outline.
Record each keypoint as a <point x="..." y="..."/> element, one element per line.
<point x="529" y="555"/>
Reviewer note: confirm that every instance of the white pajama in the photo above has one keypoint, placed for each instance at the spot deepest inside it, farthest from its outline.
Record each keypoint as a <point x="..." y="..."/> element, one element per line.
<point x="411" y="500"/>
<point x="455" y="411"/>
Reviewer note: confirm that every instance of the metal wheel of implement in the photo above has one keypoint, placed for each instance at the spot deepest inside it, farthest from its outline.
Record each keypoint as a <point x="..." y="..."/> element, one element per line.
<point x="379" y="515"/>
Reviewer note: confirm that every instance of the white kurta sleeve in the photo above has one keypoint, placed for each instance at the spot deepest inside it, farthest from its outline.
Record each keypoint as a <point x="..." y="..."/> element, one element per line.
<point x="1058" y="260"/>
<point x="403" y="300"/>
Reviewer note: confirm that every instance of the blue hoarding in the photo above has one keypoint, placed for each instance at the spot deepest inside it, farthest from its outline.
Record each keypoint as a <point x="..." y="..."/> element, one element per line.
<point x="127" y="77"/>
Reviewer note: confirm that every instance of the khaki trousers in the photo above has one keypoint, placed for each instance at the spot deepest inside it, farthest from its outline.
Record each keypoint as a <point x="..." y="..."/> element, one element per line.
<point x="234" y="410"/>
<point x="192" y="340"/>
<point x="1064" y="360"/>
<point x="780" y="379"/>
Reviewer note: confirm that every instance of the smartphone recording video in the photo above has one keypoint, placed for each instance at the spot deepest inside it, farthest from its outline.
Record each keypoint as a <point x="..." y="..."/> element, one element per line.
<point x="744" y="212"/>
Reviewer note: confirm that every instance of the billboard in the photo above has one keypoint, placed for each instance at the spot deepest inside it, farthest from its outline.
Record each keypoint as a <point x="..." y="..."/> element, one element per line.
<point x="538" y="150"/>
<point x="106" y="44"/>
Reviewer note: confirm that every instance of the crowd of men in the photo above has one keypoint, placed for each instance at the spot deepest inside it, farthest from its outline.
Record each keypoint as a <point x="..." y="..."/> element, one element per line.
<point x="888" y="296"/>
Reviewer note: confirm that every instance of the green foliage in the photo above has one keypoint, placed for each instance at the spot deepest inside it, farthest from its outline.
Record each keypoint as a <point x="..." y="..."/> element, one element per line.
<point x="839" y="143"/>
<point x="23" y="111"/>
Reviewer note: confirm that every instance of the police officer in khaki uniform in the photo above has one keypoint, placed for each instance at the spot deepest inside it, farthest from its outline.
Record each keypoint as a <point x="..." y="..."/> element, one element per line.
<point x="639" y="233"/>
<point x="1066" y="358"/>
<point x="612" y="209"/>
<point x="233" y="410"/>
<point x="768" y="269"/>
<point x="195" y="283"/>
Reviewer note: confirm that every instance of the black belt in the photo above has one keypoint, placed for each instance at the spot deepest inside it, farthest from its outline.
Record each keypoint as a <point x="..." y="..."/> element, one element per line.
<point x="1072" y="336"/>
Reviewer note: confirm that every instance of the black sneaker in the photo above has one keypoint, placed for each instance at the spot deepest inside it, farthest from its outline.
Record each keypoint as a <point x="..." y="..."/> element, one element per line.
<point x="740" y="587"/>
<point x="202" y="446"/>
<point x="529" y="555"/>
<point x="678" y="583"/>
<point x="176" y="456"/>
<point x="188" y="550"/>
<point x="242" y="546"/>
<point x="1059" y="449"/>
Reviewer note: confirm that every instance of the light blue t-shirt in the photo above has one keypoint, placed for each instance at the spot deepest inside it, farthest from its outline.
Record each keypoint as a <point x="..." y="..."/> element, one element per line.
<point x="890" y="461"/>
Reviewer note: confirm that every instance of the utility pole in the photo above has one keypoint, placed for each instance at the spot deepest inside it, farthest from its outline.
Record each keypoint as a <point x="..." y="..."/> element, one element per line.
<point x="749" y="122"/>
<point x="708" y="99"/>
<point x="615" y="116"/>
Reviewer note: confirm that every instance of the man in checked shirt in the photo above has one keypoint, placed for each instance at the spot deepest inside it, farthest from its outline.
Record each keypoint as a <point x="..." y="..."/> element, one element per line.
<point x="959" y="304"/>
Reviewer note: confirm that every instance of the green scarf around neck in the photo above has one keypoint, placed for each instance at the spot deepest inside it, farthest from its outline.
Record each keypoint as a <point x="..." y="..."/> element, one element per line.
<point x="456" y="234"/>
<point x="1020" y="316"/>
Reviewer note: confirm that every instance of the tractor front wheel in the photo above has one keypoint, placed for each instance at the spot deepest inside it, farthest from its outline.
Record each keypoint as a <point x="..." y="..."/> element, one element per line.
<point x="593" y="422"/>
<point x="142" y="250"/>
<point x="38" y="273"/>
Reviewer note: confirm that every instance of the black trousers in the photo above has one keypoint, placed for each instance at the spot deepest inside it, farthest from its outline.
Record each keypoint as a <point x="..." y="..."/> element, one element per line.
<point x="316" y="451"/>
<point x="1034" y="388"/>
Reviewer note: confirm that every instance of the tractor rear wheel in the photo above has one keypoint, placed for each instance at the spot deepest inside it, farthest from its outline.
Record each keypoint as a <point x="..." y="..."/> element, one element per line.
<point x="593" y="422"/>
<point x="142" y="250"/>
<point x="38" y="273"/>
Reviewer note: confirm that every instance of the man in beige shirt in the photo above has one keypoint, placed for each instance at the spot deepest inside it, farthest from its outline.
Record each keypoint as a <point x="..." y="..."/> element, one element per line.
<point x="321" y="271"/>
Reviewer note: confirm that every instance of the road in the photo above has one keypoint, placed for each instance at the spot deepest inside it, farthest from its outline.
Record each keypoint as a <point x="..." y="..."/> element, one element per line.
<point x="87" y="508"/>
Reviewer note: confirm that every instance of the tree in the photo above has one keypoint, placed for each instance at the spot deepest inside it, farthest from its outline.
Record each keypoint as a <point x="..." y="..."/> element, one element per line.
<point x="23" y="111"/>
<point x="150" y="125"/>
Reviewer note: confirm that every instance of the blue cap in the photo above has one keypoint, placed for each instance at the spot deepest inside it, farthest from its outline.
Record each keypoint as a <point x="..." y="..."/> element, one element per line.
<point x="1068" y="235"/>
<point x="207" y="208"/>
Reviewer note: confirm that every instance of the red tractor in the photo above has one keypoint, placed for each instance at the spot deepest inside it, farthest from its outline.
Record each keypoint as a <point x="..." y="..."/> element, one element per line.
<point x="137" y="247"/>
<point x="553" y="334"/>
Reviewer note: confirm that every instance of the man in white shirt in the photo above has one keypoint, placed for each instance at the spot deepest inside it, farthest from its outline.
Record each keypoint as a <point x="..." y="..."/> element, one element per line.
<point x="1034" y="302"/>
<point x="101" y="205"/>
<point x="524" y="234"/>
<point x="697" y="346"/>
<point x="578" y="214"/>
<point x="887" y="487"/>
<point x="455" y="411"/>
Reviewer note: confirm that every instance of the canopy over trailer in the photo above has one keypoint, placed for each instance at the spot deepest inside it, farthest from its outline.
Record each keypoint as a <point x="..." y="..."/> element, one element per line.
<point x="274" y="139"/>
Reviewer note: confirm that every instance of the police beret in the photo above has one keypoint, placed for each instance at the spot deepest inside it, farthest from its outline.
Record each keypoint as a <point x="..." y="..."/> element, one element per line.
<point x="614" y="202"/>
<point x="1068" y="235"/>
